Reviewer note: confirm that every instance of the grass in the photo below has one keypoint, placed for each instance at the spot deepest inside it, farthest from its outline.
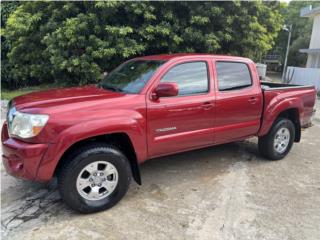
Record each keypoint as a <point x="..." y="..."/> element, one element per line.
<point x="8" y="95"/>
<point x="5" y="94"/>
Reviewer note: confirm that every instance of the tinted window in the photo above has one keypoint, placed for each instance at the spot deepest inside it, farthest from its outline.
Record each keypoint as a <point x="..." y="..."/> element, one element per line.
<point x="232" y="75"/>
<point x="192" y="77"/>
<point x="131" y="76"/>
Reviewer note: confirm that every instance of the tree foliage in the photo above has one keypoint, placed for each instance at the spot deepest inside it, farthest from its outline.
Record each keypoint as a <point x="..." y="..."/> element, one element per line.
<point x="6" y="9"/>
<point x="74" y="42"/>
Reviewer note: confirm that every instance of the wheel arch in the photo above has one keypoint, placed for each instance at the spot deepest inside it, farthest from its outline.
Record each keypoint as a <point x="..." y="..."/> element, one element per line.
<point x="120" y="139"/>
<point x="289" y="113"/>
<point x="293" y="115"/>
<point x="290" y="108"/>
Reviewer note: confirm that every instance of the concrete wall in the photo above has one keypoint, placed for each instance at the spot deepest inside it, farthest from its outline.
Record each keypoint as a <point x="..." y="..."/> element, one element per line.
<point x="315" y="36"/>
<point x="314" y="58"/>
<point x="304" y="76"/>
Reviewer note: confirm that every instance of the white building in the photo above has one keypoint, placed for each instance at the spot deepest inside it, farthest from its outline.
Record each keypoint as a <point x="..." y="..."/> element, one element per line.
<point x="314" y="48"/>
<point x="310" y="75"/>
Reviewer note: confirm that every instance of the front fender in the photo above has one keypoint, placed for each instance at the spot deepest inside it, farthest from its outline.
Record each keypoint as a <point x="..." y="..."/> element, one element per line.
<point x="134" y="128"/>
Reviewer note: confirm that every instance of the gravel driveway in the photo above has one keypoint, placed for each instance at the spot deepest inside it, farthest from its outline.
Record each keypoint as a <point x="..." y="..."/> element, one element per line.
<point x="224" y="192"/>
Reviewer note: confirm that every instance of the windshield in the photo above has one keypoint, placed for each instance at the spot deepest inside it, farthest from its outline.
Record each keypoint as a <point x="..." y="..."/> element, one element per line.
<point x="131" y="76"/>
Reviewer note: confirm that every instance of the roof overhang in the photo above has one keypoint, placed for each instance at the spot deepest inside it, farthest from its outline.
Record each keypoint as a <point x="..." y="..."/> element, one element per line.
<point x="309" y="12"/>
<point x="311" y="51"/>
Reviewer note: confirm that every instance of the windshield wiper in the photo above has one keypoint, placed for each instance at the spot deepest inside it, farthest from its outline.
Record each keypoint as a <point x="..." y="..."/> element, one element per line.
<point x="109" y="87"/>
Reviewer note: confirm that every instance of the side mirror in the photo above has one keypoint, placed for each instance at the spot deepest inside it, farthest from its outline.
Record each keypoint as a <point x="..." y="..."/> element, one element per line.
<point x="168" y="89"/>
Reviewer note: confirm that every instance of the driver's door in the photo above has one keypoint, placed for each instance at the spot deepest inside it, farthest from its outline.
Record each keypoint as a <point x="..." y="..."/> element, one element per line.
<point x="185" y="121"/>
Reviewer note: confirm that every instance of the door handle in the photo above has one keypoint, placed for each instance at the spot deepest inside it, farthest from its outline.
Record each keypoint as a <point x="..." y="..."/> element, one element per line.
<point x="207" y="105"/>
<point x="252" y="100"/>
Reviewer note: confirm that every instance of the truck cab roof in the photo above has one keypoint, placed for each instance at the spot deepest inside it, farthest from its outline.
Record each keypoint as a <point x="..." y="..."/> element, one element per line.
<point x="167" y="57"/>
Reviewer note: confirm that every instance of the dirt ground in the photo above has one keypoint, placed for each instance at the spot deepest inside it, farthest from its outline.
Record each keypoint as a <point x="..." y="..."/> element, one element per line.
<point x="224" y="192"/>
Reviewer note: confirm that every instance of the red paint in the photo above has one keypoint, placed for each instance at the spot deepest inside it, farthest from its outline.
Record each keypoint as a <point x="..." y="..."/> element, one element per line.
<point x="155" y="126"/>
<point x="19" y="158"/>
<point x="165" y="90"/>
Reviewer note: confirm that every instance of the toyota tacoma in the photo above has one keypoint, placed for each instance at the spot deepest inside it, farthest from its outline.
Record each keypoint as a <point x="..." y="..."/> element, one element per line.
<point x="94" y="138"/>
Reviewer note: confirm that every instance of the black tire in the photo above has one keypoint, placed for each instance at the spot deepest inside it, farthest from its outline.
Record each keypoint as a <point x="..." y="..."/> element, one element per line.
<point x="77" y="161"/>
<point x="266" y="143"/>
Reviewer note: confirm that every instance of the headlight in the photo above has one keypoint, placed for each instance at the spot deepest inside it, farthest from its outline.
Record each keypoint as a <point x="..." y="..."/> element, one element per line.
<point x="27" y="125"/>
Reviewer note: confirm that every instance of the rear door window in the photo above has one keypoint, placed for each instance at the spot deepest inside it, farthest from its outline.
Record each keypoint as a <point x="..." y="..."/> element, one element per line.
<point x="233" y="75"/>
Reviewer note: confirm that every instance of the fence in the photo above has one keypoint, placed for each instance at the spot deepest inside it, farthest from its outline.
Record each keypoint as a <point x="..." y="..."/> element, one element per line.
<point x="303" y="76"/>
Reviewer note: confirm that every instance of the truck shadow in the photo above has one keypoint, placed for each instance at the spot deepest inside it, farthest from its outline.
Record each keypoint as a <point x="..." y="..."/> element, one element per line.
<point x="208" y="162"/>
<point x="28" y="204"/>
<point x="230" y="152"/>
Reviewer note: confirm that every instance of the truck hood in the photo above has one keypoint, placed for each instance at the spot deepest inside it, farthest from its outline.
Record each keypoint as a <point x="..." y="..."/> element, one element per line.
<point x="64" y="96"/>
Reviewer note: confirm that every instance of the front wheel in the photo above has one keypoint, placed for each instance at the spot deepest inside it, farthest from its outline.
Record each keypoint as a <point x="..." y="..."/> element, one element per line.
<point x="95" y="178"/>
<point x="278" y="142"/>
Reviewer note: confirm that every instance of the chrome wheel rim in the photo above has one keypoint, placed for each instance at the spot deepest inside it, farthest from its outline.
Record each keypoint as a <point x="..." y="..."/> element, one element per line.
<point x="97" y="180"/>
<point x="281" y="140"/>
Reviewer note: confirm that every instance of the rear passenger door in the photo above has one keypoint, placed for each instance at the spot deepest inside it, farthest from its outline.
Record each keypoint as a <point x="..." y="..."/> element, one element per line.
<point x="238" y="101"/>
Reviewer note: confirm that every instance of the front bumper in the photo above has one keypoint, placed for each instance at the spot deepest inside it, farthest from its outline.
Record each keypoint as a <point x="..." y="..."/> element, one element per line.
<point x="21" y="159"/>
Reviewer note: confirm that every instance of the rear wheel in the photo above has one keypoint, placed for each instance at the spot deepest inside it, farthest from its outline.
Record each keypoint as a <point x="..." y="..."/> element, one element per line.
<point x="278" y="142"/>
<point x="95" y="178"/>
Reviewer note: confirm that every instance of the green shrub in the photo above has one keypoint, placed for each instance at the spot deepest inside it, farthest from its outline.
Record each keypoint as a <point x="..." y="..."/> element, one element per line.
<point x="74" y="42"/>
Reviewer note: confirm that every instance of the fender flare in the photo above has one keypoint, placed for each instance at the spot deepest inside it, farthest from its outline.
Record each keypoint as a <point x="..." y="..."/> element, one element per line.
<point x="275" y="108"/>
<point x="90" y="129"/>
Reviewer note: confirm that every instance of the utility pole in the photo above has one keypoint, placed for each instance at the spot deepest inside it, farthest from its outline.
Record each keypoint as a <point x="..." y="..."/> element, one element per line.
<point x="287" y="51"/>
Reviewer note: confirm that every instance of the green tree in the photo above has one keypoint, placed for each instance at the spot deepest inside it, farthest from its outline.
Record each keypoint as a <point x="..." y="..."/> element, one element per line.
<point x="74" y="42"/>
<point x="6" y="9"/>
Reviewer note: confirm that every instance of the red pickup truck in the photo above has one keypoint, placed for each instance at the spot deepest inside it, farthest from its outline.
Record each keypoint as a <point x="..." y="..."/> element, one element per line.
<point x="93" y="138"/>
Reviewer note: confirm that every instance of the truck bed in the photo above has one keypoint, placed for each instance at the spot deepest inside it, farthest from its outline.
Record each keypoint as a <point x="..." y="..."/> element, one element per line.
<point x="280" y="96"/>
<point x="272" y="85"/>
